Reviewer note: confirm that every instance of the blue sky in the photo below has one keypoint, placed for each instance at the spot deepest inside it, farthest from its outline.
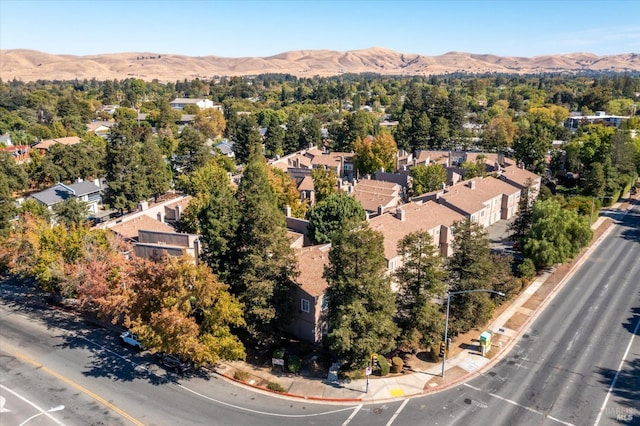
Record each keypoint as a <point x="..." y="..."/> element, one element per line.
<point x="263" y="28"/>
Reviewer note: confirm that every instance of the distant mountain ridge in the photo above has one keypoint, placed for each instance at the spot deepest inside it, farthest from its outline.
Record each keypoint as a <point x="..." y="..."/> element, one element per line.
<point x="30" y="65"/>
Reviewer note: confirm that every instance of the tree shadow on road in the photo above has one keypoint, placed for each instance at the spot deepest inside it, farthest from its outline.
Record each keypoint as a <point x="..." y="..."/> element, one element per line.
<point x="627" y="387"/>
<point x="77" y="331"/>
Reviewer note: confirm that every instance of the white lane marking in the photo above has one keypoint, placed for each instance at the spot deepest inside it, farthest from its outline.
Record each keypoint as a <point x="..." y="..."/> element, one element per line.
<point x="400" y="408"/>
<point x="519" y="405"/>
<point x="135" y="364"/>
<point x="346" y="422"/>
<point x="615" y="378"/>
<point x="32" y="404"/>
<point x="3" y="400"/>
<point x="266" y="413"/>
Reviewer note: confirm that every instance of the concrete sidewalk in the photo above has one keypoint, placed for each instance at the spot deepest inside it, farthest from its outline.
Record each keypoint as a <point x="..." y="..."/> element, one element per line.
<point x="507" y="327"/>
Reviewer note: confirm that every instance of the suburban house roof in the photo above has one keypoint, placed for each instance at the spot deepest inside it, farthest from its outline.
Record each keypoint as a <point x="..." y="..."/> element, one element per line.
<point x="95" y="125"/>
<point x="418" y="217"/>
<point x="47" y="143"/>
<point x="225" y="147"/>
<point x="306" y="184"/>
<point x="19" y="152"/>
<point x="131" y="228"/>
<point x="519" y="176"/>
<point x="187" y="100"/>
<point x="60" y="192"/>
<point x="311" y="263"/>
<point x="471" y="196"/>
<point x="373" y="193"/>
<point x="332" y="159"/>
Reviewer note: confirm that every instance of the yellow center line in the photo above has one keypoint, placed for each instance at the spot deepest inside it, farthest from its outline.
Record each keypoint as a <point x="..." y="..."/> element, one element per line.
<point x="71" y="383"/>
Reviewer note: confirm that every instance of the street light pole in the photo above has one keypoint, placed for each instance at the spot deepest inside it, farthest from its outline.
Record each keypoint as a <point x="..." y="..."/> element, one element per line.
<point x="446" y="321"/>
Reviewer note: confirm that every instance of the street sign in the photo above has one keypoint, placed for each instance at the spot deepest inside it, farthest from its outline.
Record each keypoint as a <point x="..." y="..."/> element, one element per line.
<point x="368" y="371"/>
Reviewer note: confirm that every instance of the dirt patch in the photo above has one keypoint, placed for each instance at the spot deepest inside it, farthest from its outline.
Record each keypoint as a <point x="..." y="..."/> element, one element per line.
<point x="516" y="321"/>
<point x="452" y="374"/>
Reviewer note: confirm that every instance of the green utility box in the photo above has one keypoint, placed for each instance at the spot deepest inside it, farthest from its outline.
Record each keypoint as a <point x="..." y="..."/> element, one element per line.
<point x="485" y="342"/>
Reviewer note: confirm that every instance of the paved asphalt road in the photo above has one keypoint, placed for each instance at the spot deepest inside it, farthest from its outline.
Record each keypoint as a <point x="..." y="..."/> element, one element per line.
<point x="561" y="372"/>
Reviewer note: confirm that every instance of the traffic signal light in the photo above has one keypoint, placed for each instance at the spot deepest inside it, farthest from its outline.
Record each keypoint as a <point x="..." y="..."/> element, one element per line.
<point x="442" y="348"/>
<point x="374" y="361"/>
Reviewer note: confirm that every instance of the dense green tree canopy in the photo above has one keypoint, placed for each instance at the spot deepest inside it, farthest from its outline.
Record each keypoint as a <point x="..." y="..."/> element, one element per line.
<point x="419" y="279"/>
<point x="427" y="178"/>
<point x="361" y="303"/>
<point x="329" y="216"/>
<point x="556" y="235"/>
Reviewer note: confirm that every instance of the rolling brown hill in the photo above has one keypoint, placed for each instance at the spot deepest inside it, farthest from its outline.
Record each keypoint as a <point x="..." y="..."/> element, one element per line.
<point x="30" y="65"/>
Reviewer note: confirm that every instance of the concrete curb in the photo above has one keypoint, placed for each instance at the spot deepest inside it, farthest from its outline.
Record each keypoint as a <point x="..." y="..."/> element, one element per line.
<point x="290" y="395"/>
<point x="492" y="362"/>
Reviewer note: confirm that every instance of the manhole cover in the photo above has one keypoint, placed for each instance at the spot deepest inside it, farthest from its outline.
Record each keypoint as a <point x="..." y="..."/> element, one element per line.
<point x="510" y="362"/>
<point x="377" y="411"/>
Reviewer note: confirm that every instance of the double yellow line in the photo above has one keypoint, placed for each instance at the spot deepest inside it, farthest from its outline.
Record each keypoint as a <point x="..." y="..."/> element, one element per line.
<point x="73" y="384"/>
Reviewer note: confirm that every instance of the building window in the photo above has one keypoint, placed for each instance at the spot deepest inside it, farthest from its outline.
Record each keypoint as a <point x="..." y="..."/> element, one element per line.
<point x="304" y="305"/>
<point x="325" y="302"/>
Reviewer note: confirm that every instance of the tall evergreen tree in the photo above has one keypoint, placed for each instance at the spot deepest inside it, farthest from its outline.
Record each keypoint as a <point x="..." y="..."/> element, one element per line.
<point x="247" y="135"/>
<point x="470" y="268"/>
<point x="125" y="177"/>
<point x="192" y="151"/>
<point x="265" y="270"/>
<point x="274" y="138"/>
<point x="419" y="279"/>
<point x="157" y="172"/>
<point x="292" y="136"/>
<point x="361" y="303"/>
<point x="522" y="223"/>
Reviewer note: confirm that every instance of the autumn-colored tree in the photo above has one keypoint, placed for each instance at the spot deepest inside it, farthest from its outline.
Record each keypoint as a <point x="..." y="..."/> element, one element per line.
<point x="499" y="133"/>
<point x="286" y="193"/>
<point x="324" y="183"/>
<point x="181" y="308"/>
<point x="210" y="122"/>
<point x="374" y="153"/>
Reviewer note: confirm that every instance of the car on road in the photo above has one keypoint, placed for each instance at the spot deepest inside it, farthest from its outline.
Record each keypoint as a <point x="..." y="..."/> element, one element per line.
<point x="174" y="363"/>
<point x="129" y="339"/>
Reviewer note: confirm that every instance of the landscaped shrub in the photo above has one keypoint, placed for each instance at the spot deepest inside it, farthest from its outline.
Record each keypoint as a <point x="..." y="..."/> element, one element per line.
<point x="396" y="364"/>
<point x="278" y="353"/>
<point x="242" y="376"/>
<point x="384" y="366"/>
<point x="276" y="387"/>
<point x="527" y="269"/>
<point x="294" y="363"/>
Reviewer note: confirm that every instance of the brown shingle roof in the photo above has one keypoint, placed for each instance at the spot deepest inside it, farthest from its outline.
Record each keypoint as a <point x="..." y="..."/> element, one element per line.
<point x="306" y="184"/>
<point x="519" y="176"/>
<point x="418" y="217"/>
<point x="129" y="229"/>
<point x="47" y="143"/>
<point x="473" y="200"/>
<point x="311" y="262"/>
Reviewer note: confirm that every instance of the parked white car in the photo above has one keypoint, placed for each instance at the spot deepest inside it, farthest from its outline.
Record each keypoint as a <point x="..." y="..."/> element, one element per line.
<point x="130" y="339"/>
